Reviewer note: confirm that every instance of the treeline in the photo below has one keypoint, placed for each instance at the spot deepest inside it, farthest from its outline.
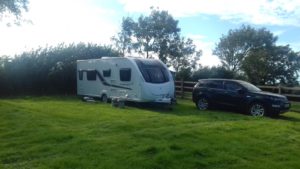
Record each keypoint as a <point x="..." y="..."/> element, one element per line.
<point x="246" y="53"/>
<point x="52" y="70"/>
<point x="49" y="70"/>
<point x="254" y="54"/>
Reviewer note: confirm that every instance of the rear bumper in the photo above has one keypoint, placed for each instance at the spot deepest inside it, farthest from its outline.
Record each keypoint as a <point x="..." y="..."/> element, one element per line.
<point x="160" y="100"/>
<point x="165" y="100"/>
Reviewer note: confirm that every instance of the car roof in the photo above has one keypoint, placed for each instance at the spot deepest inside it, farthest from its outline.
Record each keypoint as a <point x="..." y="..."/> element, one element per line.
<point x="217" y="79"/>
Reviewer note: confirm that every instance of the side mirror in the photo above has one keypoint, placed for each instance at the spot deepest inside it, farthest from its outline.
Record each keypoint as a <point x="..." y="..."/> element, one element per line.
<point x="241" y="91"/>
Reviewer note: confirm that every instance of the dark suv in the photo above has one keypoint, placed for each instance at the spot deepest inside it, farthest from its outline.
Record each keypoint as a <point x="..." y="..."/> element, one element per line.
<point x="237" y="93"/>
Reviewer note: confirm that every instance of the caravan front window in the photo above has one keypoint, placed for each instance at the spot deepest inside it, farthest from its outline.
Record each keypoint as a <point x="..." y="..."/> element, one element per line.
<point x="153" y="71"/>
<point x="154" y="75"/>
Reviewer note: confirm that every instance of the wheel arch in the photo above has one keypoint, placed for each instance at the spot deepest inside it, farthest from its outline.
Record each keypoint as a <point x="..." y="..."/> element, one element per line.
<point x="257" y="101"/>
<point x="201" y="94"/>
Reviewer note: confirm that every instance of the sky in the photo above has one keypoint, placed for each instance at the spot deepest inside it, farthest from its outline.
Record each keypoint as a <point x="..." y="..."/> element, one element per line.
<point x="50" y="22"/>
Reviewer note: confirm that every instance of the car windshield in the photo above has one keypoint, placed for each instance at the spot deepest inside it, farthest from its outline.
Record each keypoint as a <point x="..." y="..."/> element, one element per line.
<point x="250" y="87"/>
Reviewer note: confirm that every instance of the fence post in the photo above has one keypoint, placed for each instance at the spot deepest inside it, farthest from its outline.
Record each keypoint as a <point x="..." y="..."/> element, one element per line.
<point x="279" y="88"/>
<point x="182" y="88"/>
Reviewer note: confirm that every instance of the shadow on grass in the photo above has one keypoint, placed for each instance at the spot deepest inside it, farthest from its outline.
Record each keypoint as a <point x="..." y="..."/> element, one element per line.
<point x="295" y="110"/>
<point x="188" y="109"/>
<point x="42" y="97"/>
<point x="151" y="106"/>
<point x="217" y="112"/>
<point x="287" y="118"/>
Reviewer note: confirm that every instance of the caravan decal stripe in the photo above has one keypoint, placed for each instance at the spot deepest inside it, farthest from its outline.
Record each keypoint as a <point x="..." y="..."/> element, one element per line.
<point x="107" y="84"/>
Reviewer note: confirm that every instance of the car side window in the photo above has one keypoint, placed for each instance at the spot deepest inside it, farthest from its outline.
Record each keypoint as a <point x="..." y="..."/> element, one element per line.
<point x="215" y="84"/>
<point x="232" y="86"/>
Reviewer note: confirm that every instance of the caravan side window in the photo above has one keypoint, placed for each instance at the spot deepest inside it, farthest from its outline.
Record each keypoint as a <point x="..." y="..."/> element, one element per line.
<point x="91" y="75"/>
<point x="80" y="75"/>
<point x="106" y="73"/>
<point x="125" y="74"/>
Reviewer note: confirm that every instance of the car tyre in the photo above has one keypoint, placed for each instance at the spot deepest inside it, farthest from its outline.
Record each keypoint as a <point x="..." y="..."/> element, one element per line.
<point x="202" y="103"/>
<point x="257" y="110"/>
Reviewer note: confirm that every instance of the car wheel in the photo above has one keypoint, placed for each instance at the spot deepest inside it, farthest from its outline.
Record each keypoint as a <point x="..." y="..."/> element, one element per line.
<point x="257" y="110"/>
<point x="202" y="103"/>
<point x="104" y="98"/>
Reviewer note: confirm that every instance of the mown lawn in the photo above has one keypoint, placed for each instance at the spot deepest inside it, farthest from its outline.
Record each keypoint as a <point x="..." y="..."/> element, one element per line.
<point x="295" y="107"/>
<point x="63" y="132"/>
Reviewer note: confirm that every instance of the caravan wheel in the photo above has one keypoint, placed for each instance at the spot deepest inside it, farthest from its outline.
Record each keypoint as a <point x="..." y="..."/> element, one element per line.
<point x="104" y="98"/>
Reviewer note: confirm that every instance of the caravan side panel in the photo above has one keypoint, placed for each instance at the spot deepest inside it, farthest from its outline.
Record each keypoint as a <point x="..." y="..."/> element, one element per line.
<point x="125" y="77"/>
<point x="87" y="81"/>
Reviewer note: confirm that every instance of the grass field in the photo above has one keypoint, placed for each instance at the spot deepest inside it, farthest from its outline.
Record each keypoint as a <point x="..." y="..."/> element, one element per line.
<point x="63" y="132"/>
<point x="295" y="107"/>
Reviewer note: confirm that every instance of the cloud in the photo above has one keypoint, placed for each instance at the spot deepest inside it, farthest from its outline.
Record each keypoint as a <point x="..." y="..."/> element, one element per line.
<point x="207" y="58"/>
<point x="59" y="21"/>
<point x="278" y="32"/>
<point x="295" y="46"/>
<point x="275" y="12"/>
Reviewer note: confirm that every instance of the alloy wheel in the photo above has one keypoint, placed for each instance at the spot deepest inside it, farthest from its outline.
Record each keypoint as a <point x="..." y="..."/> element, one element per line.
<point x="202" y="104"/>
<point x="257" y="110"/>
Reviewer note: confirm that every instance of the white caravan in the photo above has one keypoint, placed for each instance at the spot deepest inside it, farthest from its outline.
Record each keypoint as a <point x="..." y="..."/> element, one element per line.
<point x="133" y="79"/>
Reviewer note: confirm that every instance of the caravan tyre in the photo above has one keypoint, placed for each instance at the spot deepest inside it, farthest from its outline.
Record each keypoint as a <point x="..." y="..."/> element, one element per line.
<point x="104" y="98"/>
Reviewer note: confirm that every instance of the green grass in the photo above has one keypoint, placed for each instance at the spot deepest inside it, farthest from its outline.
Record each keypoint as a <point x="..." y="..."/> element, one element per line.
<point x="295" y="107"/>
<point x="63" y="132"/>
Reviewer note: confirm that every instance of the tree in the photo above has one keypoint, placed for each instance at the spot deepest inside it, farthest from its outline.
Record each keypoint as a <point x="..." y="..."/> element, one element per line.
<point x="183" y="54"/>
<point x="50" y="70"/>
<point x="4" y="86"/>
<point x="12" y="7"/>
<point x="158" y="35"/>
<point x="214" y="72"/>
<point x="148" y="35"/>
<point x="184" y="74"/>
<point x="155" y="32"/>
<point x="236" y="45"/>
<point x="165" y="32"/>
<point x="123" y="40"/>
<point x="279" y="64"/>
<point x="253" y="52"/>
<point x="256" y="66"/>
